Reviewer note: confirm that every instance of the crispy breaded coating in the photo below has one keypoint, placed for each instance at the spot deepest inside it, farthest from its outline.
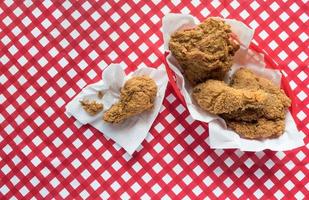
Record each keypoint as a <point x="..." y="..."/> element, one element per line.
<point x="245" y="79"/>
<point x="260" y="129"/>
<point x="204" y="52"/>
<point x="217" y="97"/>
<point x="137" y="95"/>
<point x="274" y="108"/>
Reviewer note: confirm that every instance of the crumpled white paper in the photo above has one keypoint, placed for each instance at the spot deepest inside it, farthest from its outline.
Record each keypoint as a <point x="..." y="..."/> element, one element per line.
<point x="221" y="137"/>
<point x="129" y="134"/>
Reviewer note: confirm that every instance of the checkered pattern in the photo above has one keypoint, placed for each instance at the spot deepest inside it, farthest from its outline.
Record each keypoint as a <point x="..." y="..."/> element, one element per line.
<point x="50" y="51"/>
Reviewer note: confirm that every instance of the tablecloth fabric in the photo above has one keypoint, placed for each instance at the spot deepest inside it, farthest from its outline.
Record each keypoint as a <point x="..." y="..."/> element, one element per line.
<point x="50" y="51"/>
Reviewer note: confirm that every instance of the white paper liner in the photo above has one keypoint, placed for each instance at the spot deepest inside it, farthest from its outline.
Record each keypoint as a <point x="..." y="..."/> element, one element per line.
<point x="131" y="133"/>
<point x="221" y="137"/>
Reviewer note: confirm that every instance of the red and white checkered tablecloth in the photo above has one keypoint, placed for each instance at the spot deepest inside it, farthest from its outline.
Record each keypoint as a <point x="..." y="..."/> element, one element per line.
<point x="50" y="51"/>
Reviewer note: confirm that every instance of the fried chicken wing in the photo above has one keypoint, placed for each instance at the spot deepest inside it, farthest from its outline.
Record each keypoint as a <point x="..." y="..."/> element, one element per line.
<point x="137" y="95"/>
<point x="260" y="129"/>
<point x="204" y="52"/>
<point x="217" y="97"/>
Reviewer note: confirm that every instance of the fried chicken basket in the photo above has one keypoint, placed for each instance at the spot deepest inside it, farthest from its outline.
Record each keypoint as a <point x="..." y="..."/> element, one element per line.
<point x="220" y="137"/>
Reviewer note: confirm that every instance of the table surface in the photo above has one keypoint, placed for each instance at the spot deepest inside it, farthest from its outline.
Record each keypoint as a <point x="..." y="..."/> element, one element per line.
<point x="49" y="52"/>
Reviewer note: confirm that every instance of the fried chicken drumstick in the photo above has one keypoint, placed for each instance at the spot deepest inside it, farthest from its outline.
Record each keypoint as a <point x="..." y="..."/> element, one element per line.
<point x="137" y="95"/>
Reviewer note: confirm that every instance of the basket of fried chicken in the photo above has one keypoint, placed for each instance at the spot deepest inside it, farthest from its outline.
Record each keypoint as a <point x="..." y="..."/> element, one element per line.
<point x="223" y="80"/>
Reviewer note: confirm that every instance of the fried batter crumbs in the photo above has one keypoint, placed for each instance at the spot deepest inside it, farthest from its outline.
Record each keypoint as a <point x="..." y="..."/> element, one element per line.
<point x="91" y="107"/>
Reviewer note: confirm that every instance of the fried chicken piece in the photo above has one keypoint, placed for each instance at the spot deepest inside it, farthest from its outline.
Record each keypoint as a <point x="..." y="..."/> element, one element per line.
<point x="137" y="95"/>
<point x="276" y="105"/>
<point x="260" y="129"/>
<point x="91" y="107"/>
<point x="217" y="97"/>
<point x="204" y="52"/>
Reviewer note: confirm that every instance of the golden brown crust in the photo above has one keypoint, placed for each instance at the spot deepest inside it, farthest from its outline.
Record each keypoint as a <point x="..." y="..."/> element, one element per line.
<point x="275" y="106"/>
<point x="204" y="52"/>
<point x="137" y="95"/>
<point x="260" y="129"/>
<point x="217" y="97"/>
<point x="91" y="107"/>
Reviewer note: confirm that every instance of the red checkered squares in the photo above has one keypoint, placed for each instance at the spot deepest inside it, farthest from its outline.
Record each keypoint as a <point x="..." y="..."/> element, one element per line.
<point x="50" y="51"/>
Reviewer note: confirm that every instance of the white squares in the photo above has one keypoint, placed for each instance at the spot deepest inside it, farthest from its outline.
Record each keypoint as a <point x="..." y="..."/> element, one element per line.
<point x="55" y="32"/>
<point x="155" y="19"/>
<point x="105" y="26"/>
<point x="176" y="189"/>
<point x="95" y="16"/>
<point x="115" y="186"/>
<point x="46" y="23"/>
<point x="300" y="175"/>
<point x="303" y="37"/>
<point x="86" y="5"/>
<point x="293" y="27"/>
<point x="264" y="15"/>
<point x="36" y="12"/>
<point x="22" y="60"/>
<point x="228" y="182"/>
<point x="16" y="31"/>
<point x="133" y="56"/>
<point x="31" y="90"/>
<point x="93" y="55"/>
<point x="12" y="89"/>
<point x="66" y="5"/>
<point x="106" y="7"/>
<point x="244" y="14"/>
<point x="65" y="24"/>
<point x="144" y="28"/>
<point x="39" y="121"/>
<point x="94" y="35"/>
<point x="42" y="61"/>
<point x="35" y="161"/>
<point x="26" y="21"/>
<point x="72" y="73"/>
<point x="57" y="142"/>
<point x="154" y="38"/>
<point x="7" y="21"/>
<point x="263" y="35"/>
<point x="283" y="55"/>
<point x="50" y="91"/>
<point x="84" y="44"/>
<point x="115" y="16"/>
<point x="234" y="4"/>
<point x="24" y="191"/>
<point x="85" y="25"/>
<point x="205" y="12"/>
<point x="36" y="32"/>
<point x="302" y="95"/>
<point x="283" y="35"/>
<point x="156" y="188"/>
<point x="279" y="194"/>
<point x="63" y="62"/>
<point x="64" y="193"/>
<point x="43" y="41"/>
<point x="135" y="18"/>
<point x="302" y="56"/>
<point x="254" y="5"/>
<point x="125" y="8"/>
<point x="133" y="37"/>
<point x="284" y="16"/>
<point x="293" y="46"/>
<point x="274" y="6"/>
<point x="33" y="51"/>
<point x="294" y="7"/>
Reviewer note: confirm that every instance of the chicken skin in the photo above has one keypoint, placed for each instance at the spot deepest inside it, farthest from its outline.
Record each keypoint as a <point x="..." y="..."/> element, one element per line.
<point x="274" y="108"/>
<point x="217" y="97"/>
<point x="260" y="129"/>
<point x="137" y="95"/>
<point x="204" y="52"/>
